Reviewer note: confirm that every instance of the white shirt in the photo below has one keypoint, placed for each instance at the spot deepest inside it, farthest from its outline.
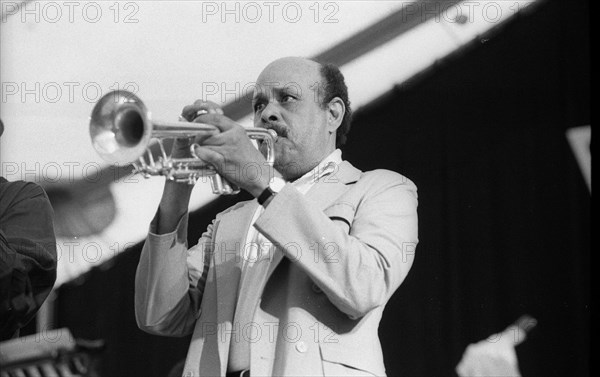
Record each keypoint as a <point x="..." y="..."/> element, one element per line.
<point x="258" y="248"/>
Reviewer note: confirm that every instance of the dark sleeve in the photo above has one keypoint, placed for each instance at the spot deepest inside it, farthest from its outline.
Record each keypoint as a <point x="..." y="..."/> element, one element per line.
<point x="28" y="253"/>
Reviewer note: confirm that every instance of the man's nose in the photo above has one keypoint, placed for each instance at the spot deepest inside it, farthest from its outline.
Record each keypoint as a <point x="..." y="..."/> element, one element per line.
<point x="270" y="113"/>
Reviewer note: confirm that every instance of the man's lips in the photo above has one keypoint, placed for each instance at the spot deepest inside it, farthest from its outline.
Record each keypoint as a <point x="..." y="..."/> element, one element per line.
<point x="279" y="129"/>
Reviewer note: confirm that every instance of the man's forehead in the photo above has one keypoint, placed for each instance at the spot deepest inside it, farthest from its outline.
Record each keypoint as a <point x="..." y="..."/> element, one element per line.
<point x="287" y="72"/>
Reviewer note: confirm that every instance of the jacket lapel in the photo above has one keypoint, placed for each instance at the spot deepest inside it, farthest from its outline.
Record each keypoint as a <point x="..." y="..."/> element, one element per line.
<point x="229" y="244"/>
<point x="228" y="249"/>
<point x="323" y="193"/>
<point x="327" y="189"/>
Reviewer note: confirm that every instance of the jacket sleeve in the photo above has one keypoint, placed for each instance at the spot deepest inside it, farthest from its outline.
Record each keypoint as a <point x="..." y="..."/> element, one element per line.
<point x="170" y="279"/>
<point x="28" y="254"/>
<point x="358" y="267"/>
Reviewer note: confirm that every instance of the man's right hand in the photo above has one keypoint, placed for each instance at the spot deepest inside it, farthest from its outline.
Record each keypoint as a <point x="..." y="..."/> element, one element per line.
<point x="181" y="146"/>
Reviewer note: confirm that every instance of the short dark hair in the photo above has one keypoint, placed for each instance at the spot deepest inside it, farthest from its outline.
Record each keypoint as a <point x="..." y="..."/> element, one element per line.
<point x="335" y="86"/>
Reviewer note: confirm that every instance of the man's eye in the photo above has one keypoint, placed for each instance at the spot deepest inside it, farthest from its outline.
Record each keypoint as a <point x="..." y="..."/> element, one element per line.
<point x="287" y="98"/>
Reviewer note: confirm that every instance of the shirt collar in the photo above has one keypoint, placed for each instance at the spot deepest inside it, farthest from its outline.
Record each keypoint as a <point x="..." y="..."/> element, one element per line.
<point x="327" y="166"/>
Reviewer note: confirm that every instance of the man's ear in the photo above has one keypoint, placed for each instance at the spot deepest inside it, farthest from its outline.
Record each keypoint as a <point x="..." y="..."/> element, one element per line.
<point x="336" y="110"/>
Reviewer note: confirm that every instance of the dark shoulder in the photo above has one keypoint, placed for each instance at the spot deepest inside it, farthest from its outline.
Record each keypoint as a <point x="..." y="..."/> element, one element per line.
<point x="20" y="190"/>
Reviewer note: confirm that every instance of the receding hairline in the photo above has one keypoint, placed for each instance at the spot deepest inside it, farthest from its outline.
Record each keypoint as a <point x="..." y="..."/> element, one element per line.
<point x="294" y="62"/>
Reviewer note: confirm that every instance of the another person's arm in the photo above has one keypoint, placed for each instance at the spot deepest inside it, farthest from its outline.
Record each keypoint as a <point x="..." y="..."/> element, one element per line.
<point x="28" y="253"/>
<point x="496" y="355"/>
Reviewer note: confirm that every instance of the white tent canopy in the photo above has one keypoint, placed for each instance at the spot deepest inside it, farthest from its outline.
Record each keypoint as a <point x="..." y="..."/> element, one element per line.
<point x="58" y="58"/>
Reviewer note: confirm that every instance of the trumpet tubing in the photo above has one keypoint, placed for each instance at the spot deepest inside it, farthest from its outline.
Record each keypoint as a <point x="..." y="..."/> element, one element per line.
<point x="121" y="130"/>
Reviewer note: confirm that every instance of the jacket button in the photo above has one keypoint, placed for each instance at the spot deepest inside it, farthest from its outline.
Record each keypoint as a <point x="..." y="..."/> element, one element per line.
<point x="301" y="347"/>
<point x="316" y="288"/>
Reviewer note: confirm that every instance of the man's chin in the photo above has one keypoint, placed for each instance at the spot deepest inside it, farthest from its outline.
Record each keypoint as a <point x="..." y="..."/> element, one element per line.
<point x="288" y="167"/>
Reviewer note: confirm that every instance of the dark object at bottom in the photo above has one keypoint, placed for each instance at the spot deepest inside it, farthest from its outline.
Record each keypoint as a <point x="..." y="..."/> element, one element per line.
<point x="50" y="353"/>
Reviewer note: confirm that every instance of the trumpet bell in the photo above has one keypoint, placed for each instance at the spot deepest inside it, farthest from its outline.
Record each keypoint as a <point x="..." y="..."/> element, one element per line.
<point x="119" y="127"/>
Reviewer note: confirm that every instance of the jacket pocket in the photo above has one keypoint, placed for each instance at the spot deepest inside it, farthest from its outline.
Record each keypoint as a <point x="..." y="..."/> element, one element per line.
<point x="342" y="214"/>
<point x="341" y="360"/>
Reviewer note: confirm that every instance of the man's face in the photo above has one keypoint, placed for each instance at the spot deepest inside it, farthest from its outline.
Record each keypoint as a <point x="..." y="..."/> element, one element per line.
<point x="288" y="101"/>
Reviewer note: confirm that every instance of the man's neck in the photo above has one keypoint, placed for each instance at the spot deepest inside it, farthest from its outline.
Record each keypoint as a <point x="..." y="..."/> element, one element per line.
<point x="295" y="174"/>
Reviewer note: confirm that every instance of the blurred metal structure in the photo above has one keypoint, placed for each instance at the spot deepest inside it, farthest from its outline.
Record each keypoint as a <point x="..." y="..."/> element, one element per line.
<point x="48" y="354"/>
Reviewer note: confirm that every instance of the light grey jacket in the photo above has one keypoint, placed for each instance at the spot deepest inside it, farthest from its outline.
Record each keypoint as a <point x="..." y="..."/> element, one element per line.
<point x="343" y="249"/>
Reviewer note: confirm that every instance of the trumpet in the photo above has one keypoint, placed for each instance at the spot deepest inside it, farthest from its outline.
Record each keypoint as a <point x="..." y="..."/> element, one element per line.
<point x="122" y="130"/>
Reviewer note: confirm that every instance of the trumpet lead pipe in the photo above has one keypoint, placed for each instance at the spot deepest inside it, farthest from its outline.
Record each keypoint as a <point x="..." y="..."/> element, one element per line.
<point x="181" y="129"/>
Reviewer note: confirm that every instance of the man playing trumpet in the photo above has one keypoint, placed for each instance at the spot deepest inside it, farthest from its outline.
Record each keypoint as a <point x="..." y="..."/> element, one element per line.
<point x="295" y="282"/>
